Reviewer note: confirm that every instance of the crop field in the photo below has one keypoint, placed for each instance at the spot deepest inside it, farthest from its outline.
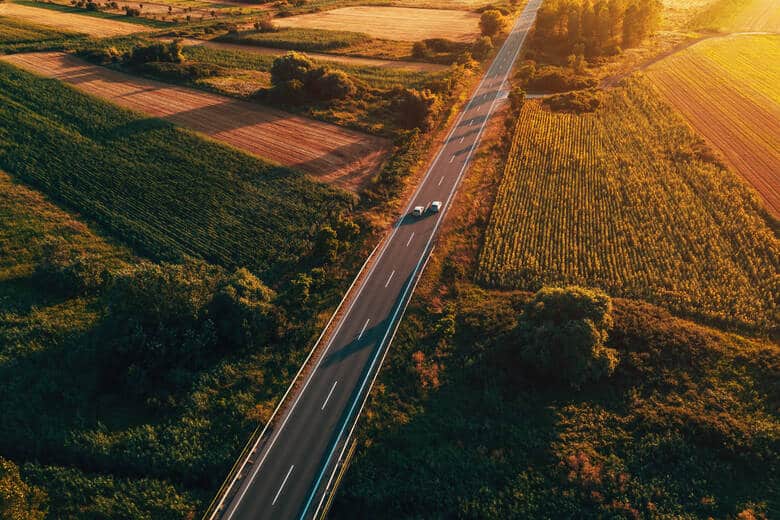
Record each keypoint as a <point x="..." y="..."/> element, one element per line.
<point x="18" y="35"/>
<point x="727" y="89"/>
<point x="739" y="15"/>
<point x="161" y="188"/>
<point x="392" y="23"/>
<point x="627" y="199"/>
<point x="354" y="62"/>
<point x="65" y="21"/>
<point x="330" y="153"/>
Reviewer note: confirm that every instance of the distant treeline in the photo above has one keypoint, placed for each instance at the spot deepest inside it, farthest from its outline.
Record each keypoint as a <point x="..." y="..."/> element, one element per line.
<point x="595" y="28"/>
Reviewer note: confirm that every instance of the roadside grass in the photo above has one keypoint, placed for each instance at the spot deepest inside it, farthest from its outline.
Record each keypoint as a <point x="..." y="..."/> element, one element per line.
<point x="170" y="193"/>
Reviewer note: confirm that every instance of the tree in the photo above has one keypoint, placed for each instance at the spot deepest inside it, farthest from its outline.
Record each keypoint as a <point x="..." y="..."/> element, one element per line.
<point x="19" y="500"/>
<point x="325" y="84"/>
<point x="291" y="66"/>
<point x="482" y="48"/>
<point x="492" y="22"/>
<point x="417" y="108"/>
<point x="564" y="331"/>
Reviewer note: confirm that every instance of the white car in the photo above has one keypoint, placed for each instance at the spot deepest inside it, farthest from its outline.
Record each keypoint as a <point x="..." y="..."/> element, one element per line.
<point x="435" y="206"/>
<point x="418" y="211"/>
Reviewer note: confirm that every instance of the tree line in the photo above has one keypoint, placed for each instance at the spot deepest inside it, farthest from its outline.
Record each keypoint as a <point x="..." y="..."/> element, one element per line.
<point x="593" y="29"/>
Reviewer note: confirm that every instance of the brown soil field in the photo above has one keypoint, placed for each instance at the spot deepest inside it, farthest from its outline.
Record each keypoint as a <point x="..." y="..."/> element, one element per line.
<point x="415" y="66"/>
<point x="737" y="118"/>
<point x="328" y="152"/>
<point x="392" y="23"/>
<point x="71" y="22"/>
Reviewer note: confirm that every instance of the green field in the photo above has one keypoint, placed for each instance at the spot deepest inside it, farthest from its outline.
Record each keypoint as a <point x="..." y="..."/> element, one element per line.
<point x="20" y="36"/>
<point x="628" y="199"/>
<point x="160" y="188"/>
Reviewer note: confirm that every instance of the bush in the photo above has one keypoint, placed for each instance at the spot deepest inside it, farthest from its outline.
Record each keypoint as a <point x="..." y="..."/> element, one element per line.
<point x="158" y="52"/>
<point x="265" y="25"/>
<point x="564" y="331"/>
<point x="291" y="66"/>
<point x="420" y="50"/>
<point x="62" y="270"/>
<point x="492" y="22"/>
<point x="579" y="102"/>
<point x="327" y="84"/>
<point x="102" y="56"/>
<point x="556" y="79"/>
<point x="416" y="108"/>
<point x="180" y="71"/>
<point x="296" y="80"/>
<point x="132" y="11"/>
<point x="18" y="500"/>
<point x="482" y="48"/>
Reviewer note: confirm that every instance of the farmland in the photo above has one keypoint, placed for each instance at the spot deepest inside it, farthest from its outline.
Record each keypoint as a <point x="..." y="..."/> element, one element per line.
<point x="67" y="21"/>
<point x="168" y="193"/>
<point x="18" y="35"/>
<point x="331" y="153"/>
<point x="727" y="89"/>
<point x="392" y="23"/>
<point x="739" y="15"/>
<point x="629" y="200"/>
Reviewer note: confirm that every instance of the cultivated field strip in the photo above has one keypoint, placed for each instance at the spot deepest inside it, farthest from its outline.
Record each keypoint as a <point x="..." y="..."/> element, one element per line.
<point x="90" y="25"/>
<point x="620" y="200"/>
<point x="158" y="187"/>
<point x="734" y="110"/>
<point x="392" y="23"/>
<point x="330" y="153"/>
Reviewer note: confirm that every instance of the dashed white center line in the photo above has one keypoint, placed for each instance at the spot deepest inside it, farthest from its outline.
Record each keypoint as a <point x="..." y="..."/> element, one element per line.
<point x="412" y="235"/>
<point x="452" y="158"/>
<point x="391" y="277"/>
<point x="282" y="486"/>
<point x="461" y="139"/>
<point x="362" y="331"/>
<point x="332" y="388"/>
<point x="441" y="180"/>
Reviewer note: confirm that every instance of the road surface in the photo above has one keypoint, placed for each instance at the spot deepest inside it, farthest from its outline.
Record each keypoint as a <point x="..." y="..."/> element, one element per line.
<point x="289" y="476"/>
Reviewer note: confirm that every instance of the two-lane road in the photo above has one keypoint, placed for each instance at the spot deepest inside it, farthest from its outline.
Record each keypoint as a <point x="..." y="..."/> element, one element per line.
<point x="290" y="474"/>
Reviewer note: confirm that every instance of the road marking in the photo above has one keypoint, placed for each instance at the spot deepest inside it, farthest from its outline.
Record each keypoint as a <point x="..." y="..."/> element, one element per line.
<point x="452" y="158"/>
<point x="461" y="139"/>
<point x="364" y="328"/>
<point x="412" y="235"/>
<point x="391" y="277"/>
<point x="441" y="180"/>
<point x="282" y="486"/>
<point x="332" y="388"/>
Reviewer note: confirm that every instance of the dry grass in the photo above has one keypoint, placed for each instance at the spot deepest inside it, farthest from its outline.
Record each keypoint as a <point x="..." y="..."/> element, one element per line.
<point x="727" y="89"/>
<point x="70" y="22"/>
<point x="329" y="153"/>
<point x="392" y="23"/>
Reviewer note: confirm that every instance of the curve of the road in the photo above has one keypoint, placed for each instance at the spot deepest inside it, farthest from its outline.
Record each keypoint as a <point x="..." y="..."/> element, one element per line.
<point x="290" y="475"/>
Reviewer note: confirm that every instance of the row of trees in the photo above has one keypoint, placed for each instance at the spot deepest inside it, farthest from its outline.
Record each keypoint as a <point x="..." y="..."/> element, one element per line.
<point x="595" y="29"/>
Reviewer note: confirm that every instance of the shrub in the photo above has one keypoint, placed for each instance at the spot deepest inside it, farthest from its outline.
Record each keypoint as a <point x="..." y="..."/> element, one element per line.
<point x="18" y="500"/>
<point x="265" y="25"/>
<point x="482" y="48"/>
<point x="580" y="101"/>
<point x="564" y="331"/>
<point x="296" y="79"/>
<point x="420" y="50"/>
<point x="291" y="66"/>
<point x="132" y="11"/>
<point x="102" y="56"/>
<point x="492" y="22"/>
<point x="327" y="84"/>
<point x="60" y="269"/>
<point x="158" y="52"/>
<point x="416" y="108"/>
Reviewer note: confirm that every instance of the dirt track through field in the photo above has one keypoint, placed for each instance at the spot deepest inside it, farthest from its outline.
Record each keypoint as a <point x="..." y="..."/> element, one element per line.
<point x="328" y="152"/>
<point x="392" y="23"/>
<point x="739" y="121"/>
<point x="71" y="22"/>
<point x="414" y="66"/>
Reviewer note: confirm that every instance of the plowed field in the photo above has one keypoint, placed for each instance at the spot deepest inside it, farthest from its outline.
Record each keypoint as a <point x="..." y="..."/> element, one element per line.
<point x="330" y="153"/>
<point x="392" y="23"/>
<point x="70" y="22"/>
<point x="727" y="89"/>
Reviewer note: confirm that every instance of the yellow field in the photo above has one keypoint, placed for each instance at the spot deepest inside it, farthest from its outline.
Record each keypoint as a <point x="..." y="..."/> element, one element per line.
<point x="392" y="23"/>
<point x="727" y="88"/>
<point x="70" y="22"/>
<point x="625" y="199"/>
<point x="740" y="15"/>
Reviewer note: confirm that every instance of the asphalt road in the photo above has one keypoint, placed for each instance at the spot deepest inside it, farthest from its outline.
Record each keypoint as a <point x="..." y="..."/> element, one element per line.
<point x="289" y="476"/>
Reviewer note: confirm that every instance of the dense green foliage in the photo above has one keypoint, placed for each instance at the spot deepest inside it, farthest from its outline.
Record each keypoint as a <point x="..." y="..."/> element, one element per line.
<point x="563" y="335"/>
<point x="296" y="79"/>
<point x="301" y="39"/>
<point x="492" y="22"/>
<point x="687" y="427"/>
<point x="169" y="193"/>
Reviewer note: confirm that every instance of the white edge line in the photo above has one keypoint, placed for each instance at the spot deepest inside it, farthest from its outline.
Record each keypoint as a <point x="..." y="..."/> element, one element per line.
<point x="332" y="388"/>
<point x="393" y="324"/>
<point x="282" y="486"/>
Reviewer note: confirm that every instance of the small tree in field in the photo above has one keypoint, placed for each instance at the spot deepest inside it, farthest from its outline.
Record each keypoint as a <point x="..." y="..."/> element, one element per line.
<point x="492" y="22"/>
<point x="565" y="331"/>
<point x="18" y="500"/>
